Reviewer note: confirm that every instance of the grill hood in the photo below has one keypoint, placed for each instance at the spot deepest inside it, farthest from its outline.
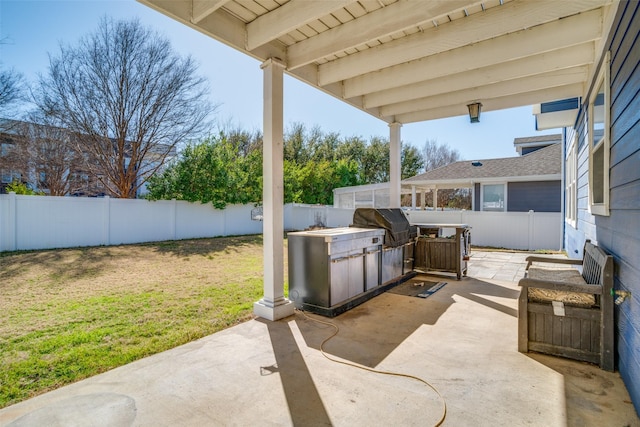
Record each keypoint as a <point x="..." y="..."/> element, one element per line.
<point x="397" y="229"/>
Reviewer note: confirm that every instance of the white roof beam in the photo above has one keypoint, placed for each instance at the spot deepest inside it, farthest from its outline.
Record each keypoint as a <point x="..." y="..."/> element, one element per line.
<point x="555" y="35"/>
<point x="506" y="88"/>
<point x="573" y="56"/>
<point x="511" y="101"/>
<point x="309" y="74"/>
<point x="472" y="29"/>
<point x="380" y="23"/>
<point x="287" y="18"/>
<point x="200" y="9"/>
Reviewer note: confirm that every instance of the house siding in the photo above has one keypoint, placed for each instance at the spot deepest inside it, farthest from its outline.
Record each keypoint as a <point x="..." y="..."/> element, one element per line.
<point x="619" y="233"/>
<point x="539" y="196"/>
<point x="585" y="222"/>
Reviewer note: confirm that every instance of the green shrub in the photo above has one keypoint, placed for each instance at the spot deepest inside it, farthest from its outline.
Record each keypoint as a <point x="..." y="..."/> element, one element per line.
<point x="22" y="188"/>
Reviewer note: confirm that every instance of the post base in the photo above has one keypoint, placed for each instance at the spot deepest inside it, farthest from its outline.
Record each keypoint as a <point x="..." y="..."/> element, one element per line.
<point x="273" y="312"/>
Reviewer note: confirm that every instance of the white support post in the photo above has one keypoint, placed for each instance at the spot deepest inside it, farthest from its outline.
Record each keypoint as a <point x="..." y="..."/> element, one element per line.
<point x="473" y="196"/>
<point x="273" y="305"/>
<point x="423" y="198"/>
<point x="413" y="197"/>
<point x="395" y="169"/>
<point x="435" y="198"/>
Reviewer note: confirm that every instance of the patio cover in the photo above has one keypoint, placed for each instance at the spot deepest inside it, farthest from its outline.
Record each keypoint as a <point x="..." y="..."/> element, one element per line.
<point x="410" y="61"/>
<point x="402" y="62"/>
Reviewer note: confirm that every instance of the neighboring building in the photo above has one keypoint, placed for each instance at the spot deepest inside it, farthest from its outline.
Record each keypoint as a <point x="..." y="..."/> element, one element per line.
<point x="515" y="184"/>
<point x="67" y="164"/>
<point x="530" y="144"/>
<point x="8" y="174"/>
<point x="8" y="140"/>
<point x="602" y="178"/>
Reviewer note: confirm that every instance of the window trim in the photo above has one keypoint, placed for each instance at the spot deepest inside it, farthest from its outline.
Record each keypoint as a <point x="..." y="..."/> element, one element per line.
<point x="571" y="183"/>
<point x="605" y="144"/>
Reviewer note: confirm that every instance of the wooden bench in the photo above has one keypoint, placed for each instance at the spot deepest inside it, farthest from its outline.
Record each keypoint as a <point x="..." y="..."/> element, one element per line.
<point x="567" y="313"/>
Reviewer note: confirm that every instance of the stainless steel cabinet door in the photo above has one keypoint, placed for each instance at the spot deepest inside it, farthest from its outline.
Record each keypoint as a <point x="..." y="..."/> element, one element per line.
<point x="391" y="263"/>
<point x="372" y="262"/>
<point x="339" y="279"/>
<point x="356" y="274"/>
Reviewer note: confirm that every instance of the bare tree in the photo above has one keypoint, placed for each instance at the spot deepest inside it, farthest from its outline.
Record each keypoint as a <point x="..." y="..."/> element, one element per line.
<point x="9" y="157"/>
<point x="12" y="89"/>
<point x="128" y="97"/>
<point x="436" y="155"/>
<point x="48" y="154"/>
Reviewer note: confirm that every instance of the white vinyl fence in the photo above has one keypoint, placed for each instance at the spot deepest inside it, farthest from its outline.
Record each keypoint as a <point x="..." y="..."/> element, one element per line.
<point x="37" y="222"/>
<point x="511" y="230"/>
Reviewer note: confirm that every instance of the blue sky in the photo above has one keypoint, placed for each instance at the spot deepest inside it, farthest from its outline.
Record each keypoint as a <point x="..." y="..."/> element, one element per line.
<point x="34" y="29"/>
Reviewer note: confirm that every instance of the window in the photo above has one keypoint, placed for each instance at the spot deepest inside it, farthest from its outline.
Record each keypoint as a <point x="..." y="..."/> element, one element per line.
<point x="599" y="124"/>
<point x="571" y="178"/>
<point x="493" y="198"/>
<point x="6" y="177"/>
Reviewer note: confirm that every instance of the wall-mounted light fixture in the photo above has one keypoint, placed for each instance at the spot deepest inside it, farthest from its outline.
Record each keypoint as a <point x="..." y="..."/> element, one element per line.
<point x="474" y="112"/>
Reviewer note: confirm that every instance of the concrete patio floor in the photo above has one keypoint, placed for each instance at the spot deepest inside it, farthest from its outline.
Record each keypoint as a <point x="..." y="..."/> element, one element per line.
<point x="462" y="340"/>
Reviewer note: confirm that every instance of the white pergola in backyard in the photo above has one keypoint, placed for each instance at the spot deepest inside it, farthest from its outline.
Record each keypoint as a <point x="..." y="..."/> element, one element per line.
<point x="402" y="61"/>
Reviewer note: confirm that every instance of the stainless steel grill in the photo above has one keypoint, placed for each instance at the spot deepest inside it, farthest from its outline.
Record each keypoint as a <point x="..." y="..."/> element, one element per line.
<point x="398" y="232"/>
<point x="399" y="239"/>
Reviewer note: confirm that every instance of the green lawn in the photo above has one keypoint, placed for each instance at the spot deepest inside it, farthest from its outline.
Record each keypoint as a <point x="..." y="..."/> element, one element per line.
<point x="72" y="313"/>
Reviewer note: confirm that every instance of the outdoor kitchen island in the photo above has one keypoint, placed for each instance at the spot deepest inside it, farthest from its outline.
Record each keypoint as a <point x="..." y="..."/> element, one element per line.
<point x="332" y="270"/>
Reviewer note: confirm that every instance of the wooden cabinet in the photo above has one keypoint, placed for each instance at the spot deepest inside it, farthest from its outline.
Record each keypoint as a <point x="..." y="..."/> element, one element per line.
<point x="434" y="251"/>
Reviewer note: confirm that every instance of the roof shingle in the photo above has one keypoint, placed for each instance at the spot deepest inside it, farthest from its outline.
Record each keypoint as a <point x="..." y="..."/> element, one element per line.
<point x="545" y="161"/>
